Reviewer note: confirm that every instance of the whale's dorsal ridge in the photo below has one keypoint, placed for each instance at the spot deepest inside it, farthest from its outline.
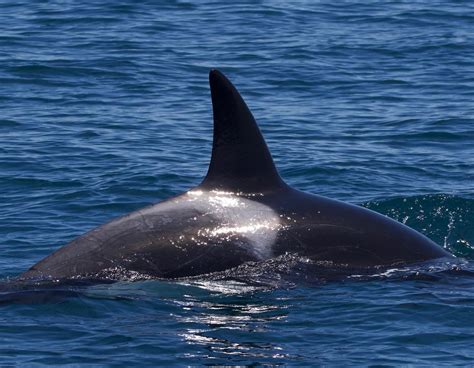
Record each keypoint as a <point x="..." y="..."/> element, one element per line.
<point x="227" y="224"/>
<point x="240" y="158"/>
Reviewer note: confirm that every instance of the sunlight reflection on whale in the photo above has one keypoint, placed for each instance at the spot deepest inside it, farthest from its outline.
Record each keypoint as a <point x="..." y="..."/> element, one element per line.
<point x="258" y="223"/>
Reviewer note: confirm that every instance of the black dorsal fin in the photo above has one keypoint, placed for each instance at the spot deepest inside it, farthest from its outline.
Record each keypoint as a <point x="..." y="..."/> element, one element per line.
<point x="240" y="159"/>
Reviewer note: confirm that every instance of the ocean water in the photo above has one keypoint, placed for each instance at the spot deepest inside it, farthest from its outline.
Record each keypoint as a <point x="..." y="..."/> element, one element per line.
<point x="105" y="108"/>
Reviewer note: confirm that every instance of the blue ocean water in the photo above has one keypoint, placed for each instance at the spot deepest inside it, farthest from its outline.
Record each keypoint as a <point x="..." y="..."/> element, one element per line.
<point x="105" y="108"/>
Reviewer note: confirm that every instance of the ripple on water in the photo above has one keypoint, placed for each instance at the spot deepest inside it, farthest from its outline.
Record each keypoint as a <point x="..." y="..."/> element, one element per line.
<point x="105" y="108"/>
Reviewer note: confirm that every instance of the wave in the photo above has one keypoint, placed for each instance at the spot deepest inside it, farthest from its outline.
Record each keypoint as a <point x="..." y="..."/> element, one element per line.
<point x="446" y="219"/>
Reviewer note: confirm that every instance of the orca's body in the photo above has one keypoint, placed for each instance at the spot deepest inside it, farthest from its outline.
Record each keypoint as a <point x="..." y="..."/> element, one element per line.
<point x="241" y="212"/>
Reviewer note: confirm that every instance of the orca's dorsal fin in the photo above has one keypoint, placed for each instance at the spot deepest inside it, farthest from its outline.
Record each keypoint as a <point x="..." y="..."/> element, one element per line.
<point x="241" y="161"/>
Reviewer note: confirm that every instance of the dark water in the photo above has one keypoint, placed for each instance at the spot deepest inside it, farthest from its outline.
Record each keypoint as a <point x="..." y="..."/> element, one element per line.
<point x="105" y="108"/>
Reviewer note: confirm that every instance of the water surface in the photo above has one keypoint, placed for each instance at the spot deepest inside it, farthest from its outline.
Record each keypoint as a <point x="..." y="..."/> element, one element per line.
<point x="105" y="108"/>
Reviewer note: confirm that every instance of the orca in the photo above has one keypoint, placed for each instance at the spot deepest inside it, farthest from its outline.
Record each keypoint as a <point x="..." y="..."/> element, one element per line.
<point x="242" y="211"/>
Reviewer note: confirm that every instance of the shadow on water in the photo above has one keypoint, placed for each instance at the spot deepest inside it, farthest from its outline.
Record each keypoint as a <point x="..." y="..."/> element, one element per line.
<point x="39" y="292"/>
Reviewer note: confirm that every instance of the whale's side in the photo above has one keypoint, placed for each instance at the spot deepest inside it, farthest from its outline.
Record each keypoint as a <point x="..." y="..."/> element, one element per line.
<point x="242" y="211"/>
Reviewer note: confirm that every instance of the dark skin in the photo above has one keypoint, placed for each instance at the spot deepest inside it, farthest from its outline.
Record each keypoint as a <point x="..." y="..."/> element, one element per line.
<point x="242" y="211"/>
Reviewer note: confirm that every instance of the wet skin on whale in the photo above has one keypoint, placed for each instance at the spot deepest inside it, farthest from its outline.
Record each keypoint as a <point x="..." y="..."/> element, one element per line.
<point x="242" y="211"/>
